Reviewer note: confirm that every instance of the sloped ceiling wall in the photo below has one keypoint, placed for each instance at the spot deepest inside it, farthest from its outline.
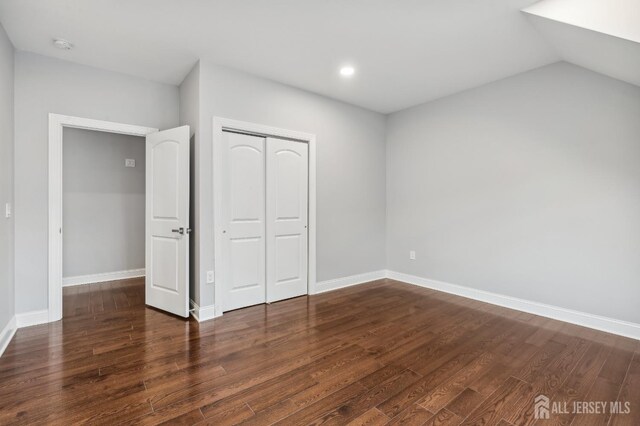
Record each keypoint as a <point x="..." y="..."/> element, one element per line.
<point x="601" y="35"/>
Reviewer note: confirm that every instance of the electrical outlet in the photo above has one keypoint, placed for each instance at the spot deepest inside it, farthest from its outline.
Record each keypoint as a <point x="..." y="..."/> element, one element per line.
<point x="412" y="255"/>
<point x="129" y="162"/>
<point x="210" y="277"/>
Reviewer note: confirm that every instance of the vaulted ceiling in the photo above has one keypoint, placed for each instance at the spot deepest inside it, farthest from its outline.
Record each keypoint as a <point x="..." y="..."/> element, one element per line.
<point x="405" y="51"/>
<point x="601" y="35"/>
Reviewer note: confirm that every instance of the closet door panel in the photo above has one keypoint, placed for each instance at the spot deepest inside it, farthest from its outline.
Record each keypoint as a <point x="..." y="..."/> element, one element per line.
<point x="287" y="211"/>
<point x="243" y="257"/>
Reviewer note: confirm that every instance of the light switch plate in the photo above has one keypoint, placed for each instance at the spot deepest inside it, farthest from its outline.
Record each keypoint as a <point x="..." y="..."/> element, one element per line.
<point x="129" y="162"/>
<point x="7" y="210"/>
<point x="412" y="255"/>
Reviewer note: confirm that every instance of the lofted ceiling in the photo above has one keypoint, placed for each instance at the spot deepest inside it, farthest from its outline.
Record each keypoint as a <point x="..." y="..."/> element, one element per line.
<point x="405" y="51"/>
<point x="618" y="18"/>
<point x="601" y="35"/>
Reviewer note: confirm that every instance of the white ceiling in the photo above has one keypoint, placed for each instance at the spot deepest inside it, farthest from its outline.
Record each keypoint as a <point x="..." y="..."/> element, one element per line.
<point x="405" y="51"/>
<point x="601" y="35"/>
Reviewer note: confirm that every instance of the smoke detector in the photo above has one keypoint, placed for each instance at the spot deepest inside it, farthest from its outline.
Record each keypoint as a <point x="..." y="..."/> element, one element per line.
<point x="62" y="44"/>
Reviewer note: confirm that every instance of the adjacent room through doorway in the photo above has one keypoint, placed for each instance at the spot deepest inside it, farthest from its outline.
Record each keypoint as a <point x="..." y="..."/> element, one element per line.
<point x="103" y="208"/>
<point x="103" y="205"/>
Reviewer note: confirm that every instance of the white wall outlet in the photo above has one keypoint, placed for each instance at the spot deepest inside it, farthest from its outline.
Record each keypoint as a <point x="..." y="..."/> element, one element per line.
<point x="210" y="277"/>
<point x="129" y="162"/>
<point x="7" y="210"/>
<point x="412" y="255"/>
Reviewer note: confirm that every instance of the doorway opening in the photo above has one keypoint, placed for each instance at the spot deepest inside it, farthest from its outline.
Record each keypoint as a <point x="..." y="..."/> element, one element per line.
<point x="103" y="228"/>
<point x="163" y="188"/>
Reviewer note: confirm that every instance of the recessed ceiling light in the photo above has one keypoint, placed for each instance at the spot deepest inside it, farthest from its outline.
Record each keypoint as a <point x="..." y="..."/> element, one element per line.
<point x="347" y="71"/>
<point x="62" y="44"/>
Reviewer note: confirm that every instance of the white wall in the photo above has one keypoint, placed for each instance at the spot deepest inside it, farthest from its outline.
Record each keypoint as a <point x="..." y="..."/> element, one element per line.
<point x="45" y="85"/>
<point x="527" y="187"/>
<point x="6" y="180"/>
<point x="350" y="167"/>
<point x="103" y="203"/>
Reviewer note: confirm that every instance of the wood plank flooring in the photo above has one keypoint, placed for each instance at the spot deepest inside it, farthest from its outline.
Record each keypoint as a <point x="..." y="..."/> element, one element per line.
<point x="379" y="353"/>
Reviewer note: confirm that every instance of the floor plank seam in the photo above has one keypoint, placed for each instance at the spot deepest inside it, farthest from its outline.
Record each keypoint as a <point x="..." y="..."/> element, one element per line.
<point x="249" y="406"/>
<point x="598" y="375"/>
<point x="619" y="393"/>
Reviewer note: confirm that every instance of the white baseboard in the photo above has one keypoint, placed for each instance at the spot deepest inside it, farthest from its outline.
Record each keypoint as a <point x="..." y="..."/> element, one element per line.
<point x="202" y="313"/>
<point x="7" y="334"/>
<point x="329" y="285"/>
<point x="597" y="322"/>
<point x="103" y="277"/>
<point x="28" y="319"/>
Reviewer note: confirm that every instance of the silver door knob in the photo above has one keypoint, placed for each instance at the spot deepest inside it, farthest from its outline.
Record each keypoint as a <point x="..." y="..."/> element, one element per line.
<point x="179" y="230"/>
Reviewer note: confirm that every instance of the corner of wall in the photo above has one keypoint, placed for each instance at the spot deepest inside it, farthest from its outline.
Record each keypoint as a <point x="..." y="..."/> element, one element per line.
<point x="7" y="334"/>
<point x="7" y="188"/>
<point x="386" y="190"/>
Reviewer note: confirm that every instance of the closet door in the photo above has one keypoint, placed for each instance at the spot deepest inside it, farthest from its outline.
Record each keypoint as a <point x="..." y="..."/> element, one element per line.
<point x="243" y="198"/>
<point x="287" y="211"/>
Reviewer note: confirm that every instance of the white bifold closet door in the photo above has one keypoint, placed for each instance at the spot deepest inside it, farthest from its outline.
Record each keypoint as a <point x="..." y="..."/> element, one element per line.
<point x="264" y="216"/>
<point x="287" y="189"/>
<point x="243" y="208"/>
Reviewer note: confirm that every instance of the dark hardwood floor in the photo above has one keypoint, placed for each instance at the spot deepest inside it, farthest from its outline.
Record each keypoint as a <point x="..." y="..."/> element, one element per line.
<point x="379" y="353"/>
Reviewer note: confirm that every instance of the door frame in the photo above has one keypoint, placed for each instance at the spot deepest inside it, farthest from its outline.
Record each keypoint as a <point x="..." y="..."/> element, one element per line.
<point x="57" y="123"/>
<point x="221" y="124"/>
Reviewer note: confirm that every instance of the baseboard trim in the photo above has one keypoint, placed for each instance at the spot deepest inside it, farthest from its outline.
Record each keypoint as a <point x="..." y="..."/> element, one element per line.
<point x="337" y="283"/>
<point x="7" y="334"/>
<point x="27" y="319"/>
<point x="597" y="322"/>
<point x="202" y="313"/>
<point x="103" y="277"/>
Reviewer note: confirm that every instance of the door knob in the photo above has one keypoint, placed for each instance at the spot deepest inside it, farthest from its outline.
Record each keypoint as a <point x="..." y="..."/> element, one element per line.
<point x="179" y="230"/>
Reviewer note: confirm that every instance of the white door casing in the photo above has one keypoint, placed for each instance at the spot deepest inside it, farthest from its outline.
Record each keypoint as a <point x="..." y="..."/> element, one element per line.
<point x="167" y="221"/>
<point x="242" y="255"/>
<point x="57" y="123"/>
<point x="287" y="212"/>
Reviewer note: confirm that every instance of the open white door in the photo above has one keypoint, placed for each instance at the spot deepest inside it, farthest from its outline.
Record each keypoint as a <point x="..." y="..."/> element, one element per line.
<point x="167" y="221"/>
